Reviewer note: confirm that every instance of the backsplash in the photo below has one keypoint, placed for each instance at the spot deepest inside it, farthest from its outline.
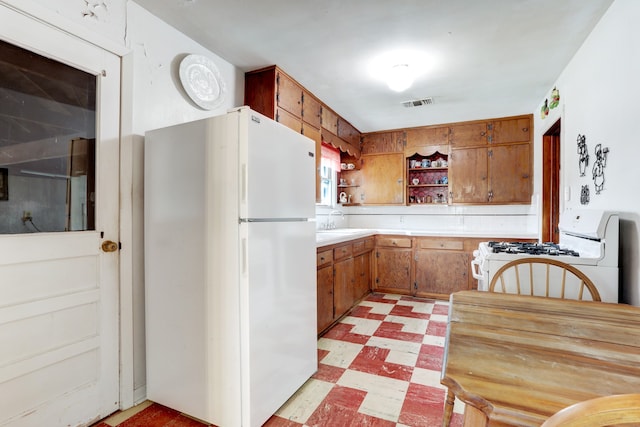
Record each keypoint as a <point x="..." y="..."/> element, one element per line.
<point x="508" y="220"/>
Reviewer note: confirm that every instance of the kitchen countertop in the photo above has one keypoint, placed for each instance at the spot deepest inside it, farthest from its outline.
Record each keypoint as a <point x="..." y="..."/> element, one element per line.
<point x="339" y="235"/>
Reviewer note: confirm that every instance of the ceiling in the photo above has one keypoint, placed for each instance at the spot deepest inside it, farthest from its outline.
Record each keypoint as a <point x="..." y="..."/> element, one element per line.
<point x="489" y="58"/>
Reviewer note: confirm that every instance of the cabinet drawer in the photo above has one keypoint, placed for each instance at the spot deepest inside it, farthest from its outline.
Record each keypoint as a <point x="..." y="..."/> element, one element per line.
<point x="368" y="243"/>
<point x="344" y="251"/>
<point x="453" y="245"/>
<point x="395" y="242"/>
<point x="324" y="257"/>
<point x="363" y="245"/>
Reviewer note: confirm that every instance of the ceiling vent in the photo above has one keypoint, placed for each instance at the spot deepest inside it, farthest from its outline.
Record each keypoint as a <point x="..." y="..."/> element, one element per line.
<point x="418" y="102"/>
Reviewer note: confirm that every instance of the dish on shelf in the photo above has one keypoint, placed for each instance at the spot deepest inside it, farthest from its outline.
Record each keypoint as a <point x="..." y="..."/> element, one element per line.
<point x="415" y="181"/>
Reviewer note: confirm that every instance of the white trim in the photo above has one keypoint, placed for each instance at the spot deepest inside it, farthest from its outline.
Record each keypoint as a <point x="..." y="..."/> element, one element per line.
<point x="47" y="17"/>
<point x="127" y="347"/>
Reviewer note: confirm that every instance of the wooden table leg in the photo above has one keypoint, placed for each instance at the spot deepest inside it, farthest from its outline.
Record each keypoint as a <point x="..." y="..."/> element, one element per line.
<point x="474" y="417"/>
<point x="448" y="408"/>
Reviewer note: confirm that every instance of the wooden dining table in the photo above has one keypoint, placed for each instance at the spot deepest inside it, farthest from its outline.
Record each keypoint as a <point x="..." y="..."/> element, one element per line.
<point x="516" y="360"/>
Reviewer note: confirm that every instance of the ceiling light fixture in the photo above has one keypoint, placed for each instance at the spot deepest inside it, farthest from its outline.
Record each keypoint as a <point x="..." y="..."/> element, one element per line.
<point x="399" y="69"/>
<point x="399" y="77"/>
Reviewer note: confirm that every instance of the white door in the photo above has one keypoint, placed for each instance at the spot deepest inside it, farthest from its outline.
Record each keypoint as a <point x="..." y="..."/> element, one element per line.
<point x="59" y="289"/>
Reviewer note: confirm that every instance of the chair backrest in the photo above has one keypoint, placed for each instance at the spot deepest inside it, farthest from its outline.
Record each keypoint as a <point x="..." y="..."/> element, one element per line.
<point x="621" y="409"/>
<point x="540" y="276"/>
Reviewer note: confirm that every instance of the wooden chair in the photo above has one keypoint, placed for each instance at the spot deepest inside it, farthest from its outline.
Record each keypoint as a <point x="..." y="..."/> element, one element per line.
<point x="553" y="278"/>
<point x="621" y="409"/>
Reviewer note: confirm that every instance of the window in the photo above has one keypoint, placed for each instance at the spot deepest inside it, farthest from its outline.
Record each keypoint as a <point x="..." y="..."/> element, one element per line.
<point x="329" y="164"/>
<point x="47" y="144"/>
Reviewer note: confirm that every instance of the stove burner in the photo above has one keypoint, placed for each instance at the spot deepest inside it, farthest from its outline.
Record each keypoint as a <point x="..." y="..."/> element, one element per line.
<point x="547" y="248"/>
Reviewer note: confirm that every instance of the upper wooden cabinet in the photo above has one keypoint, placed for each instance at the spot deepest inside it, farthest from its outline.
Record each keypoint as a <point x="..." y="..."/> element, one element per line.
<point x="496" y="171"/>
<point x="348" y="133"/>
<point x="288" y="94"/>
<point x="340" y="133"/>
<point x="494" y="131"/>
<point x="382" y="179"/>
<point x="275" y="94"/>
<point x="469" y="134"/>
<point x="469" y="175"/>
<point x="383" y="142"/>
<point x="427" y="140"/>
<point x="329" y="121"/>
<point x="311" y="110"/>
<point x="517" y="129"/>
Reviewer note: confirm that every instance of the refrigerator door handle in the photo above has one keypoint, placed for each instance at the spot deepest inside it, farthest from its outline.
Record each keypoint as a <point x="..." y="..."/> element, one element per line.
<point x="243" y="183"/>
<point x="243" y="261"/>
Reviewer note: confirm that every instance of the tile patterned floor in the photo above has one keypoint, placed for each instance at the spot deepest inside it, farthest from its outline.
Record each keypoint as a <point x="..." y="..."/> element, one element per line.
<point x="379" y="366"/>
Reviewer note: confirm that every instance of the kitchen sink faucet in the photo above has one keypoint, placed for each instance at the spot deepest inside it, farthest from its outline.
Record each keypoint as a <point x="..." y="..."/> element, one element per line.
<point x="330" y="225"/>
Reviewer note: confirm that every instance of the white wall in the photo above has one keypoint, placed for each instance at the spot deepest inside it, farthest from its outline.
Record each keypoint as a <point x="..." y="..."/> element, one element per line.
<point x="153" y="98"/>
<point x="599" y="93"/>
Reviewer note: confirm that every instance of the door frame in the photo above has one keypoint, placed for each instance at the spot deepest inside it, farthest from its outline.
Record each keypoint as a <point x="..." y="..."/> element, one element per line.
<point x="551" y="183"/>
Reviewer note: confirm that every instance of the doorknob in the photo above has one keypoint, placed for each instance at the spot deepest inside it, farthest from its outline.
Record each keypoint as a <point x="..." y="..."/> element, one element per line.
<point x="109" y="246"/>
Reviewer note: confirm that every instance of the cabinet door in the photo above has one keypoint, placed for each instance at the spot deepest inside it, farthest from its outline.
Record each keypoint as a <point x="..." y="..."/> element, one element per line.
<point x="329" y="121"/>
<point x="382" y="178"/>
<point x="393" y="270"/>
<point x="510" y="173"/>
<point x="469" y="134"/>
<point x="440" y="272"/>
<point x="288" y="119"/>
<point x="347" y="132"/>
<point x="383" y="142"/>
<point x="511" y="130"/>
<point x="419" y="140"/>
<point x="468" y="175"/>
<point x="311" y="110"/>
<point x="362" y="271"/>
<point x="289" y="95"/>
<point x="343" y="286"/>
<point x="325" y="297"/>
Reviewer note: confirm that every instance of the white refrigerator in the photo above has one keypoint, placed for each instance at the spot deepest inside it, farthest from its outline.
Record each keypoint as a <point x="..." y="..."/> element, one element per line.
<point x="230" y="277"/>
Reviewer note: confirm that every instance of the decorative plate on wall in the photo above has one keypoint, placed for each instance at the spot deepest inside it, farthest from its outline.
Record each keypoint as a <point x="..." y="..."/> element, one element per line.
<point x="202" y="81"/>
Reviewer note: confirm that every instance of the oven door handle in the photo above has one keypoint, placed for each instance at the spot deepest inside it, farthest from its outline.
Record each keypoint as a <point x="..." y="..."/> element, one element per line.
<point x="476" y="271"/>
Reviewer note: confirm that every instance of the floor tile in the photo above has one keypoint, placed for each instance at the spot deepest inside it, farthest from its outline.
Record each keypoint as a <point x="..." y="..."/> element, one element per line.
<point x="384" y="396"/>
<point x="341" y="353"/>
<point x="402" y="352"/>
<point x="378" y="367"/>
<point x="305" y="401"/>
<point x="362" y="326"/>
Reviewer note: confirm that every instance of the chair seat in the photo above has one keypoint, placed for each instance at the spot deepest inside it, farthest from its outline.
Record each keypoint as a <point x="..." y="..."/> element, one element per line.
<point x="621" y="409"/>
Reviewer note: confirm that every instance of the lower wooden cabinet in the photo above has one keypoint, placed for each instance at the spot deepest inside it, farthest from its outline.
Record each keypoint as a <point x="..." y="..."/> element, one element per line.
<point x="343" y="285"/>
<point x="344" y="277"/>
<point x="362" y="273"/>
<point x="393" y="264"/>
<point x="441" y="267"/>
<point x="423" y="266"/>
<point x="430" y="267"/>
<point x="325" y="297"/>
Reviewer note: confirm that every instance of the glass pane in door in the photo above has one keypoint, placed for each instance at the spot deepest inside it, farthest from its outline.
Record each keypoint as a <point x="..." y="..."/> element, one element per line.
<point x="47" y="144"/>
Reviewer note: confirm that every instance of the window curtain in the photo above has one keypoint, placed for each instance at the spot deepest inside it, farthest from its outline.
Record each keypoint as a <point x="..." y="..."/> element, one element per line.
<point x="330" y="157"/>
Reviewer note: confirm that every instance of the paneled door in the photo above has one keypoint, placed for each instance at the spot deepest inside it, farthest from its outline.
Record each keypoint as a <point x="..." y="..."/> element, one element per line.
<point x="59" y="156"/>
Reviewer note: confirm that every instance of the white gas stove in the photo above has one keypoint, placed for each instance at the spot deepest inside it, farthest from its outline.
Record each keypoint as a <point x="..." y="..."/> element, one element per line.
<point x="588" y="241"/>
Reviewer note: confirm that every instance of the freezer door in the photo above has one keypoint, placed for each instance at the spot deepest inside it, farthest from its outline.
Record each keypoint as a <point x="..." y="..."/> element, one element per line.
<point x="278" y="287"/>
<point x="277" y="170"/>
